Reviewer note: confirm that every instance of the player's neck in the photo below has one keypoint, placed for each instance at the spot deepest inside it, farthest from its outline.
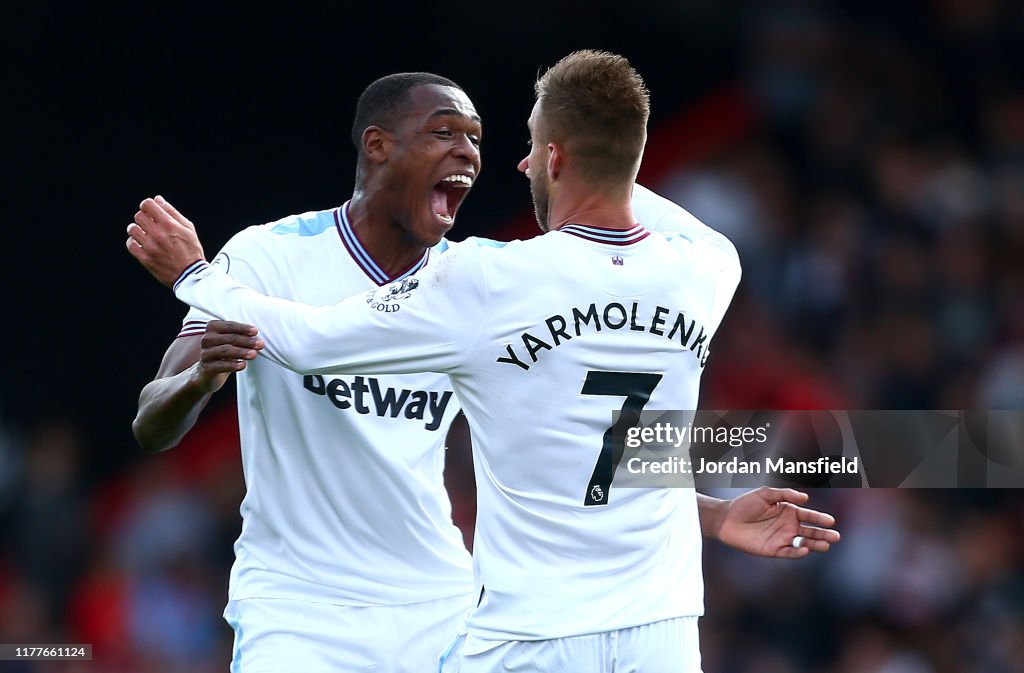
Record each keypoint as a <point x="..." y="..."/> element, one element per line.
<point x="592" y="210"/>
<point x="386" y="242"/>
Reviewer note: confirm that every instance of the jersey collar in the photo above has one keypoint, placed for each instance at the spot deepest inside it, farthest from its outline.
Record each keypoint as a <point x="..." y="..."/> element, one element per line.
<point x="634" y="234"/>
<point x="362" y="258"/>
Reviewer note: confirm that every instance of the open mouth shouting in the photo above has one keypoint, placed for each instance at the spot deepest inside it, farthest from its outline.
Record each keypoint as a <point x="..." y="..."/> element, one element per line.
<point x="447" y="196"/>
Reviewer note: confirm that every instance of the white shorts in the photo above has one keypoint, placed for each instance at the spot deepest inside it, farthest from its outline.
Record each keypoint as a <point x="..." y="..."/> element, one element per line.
<point x="668" y="646"/>
<point x="284" y="636"/>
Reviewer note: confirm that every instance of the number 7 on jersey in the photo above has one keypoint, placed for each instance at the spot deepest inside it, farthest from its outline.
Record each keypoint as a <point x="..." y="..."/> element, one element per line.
<point x="637" y="389"/>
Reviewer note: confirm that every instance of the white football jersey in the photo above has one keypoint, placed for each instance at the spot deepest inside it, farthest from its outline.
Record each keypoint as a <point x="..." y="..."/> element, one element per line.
<point x="345" y="499"/>
<point x="543" y="339"/>
<point x="674" y="222"/>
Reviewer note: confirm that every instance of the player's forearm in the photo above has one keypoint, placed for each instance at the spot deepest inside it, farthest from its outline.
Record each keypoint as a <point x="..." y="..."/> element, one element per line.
<point x="168" y="408"/>
<point x="347" y="337"/>
<point x="711" y="512"/>
<point x="296" y="336"/>
<point x="397" y="329"/>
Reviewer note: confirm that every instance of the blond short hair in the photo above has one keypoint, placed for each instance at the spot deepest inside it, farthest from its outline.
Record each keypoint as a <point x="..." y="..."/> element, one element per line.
<point x="596" y="106"/>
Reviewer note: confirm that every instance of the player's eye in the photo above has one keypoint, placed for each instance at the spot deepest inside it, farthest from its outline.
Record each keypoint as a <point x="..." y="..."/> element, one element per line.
<point x="444" y="133"/>
<point x="475" y="140"/>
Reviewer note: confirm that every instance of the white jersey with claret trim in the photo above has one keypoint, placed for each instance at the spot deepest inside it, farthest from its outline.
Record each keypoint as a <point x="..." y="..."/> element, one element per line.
<point x="345" y="498"/>
<point x="543" y="340"/>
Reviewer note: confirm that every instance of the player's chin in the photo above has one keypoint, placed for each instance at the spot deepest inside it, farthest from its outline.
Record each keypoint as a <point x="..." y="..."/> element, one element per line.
<point x="433" y="229"/>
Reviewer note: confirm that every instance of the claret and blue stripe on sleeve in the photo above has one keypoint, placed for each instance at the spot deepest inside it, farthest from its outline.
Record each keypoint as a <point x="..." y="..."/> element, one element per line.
<point x="193" y="268"/>
<point x="192" y="328"/>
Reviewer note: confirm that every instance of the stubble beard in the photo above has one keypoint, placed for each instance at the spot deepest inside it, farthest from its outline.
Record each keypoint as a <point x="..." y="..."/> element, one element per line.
<point x="541" y="202"/>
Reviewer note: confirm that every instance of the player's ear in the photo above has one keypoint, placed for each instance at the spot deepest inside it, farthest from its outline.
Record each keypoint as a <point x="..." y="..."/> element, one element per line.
<point x="555" y="160"/>
<point x="376" y="144"/>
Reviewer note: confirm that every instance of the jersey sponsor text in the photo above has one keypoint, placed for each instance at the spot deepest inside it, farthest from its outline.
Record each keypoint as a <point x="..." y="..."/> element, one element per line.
<point x="411" y="404"/>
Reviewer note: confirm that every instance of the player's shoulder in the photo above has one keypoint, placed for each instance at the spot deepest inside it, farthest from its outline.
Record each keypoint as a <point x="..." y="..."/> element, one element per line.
<point x="302" y="228"/>
<point x="310" y="224"/>
<point x="276" y="248"/>
<point x="476" y="243"/>
<point x="475" y="255"/>
<point x="682" y="230"/>
<point x="475" y="246"/>
<point x="709" y="243"/>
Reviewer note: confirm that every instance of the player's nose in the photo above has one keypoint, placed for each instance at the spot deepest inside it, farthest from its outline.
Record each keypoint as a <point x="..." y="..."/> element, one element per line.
<point x="465" y="148"/>
<point x="524" y="166"/>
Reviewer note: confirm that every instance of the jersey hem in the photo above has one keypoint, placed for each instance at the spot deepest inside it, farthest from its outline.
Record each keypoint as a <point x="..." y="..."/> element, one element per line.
<point x="498" y="637"/>
<point x="321" y="600"/>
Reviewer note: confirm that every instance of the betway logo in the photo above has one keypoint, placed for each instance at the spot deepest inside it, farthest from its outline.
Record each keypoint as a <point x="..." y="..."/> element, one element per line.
<point x="413" y="404"/>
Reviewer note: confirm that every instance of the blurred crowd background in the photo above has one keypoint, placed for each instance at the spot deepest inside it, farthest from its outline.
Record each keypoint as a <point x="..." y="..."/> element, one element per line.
<point x="868" y="163"/>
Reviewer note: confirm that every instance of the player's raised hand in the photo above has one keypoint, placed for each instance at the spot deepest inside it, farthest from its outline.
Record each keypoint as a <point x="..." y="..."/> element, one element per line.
<point x="767" y="522"/>
<point x="163" y="240"/>
<point x="225" y="348"/>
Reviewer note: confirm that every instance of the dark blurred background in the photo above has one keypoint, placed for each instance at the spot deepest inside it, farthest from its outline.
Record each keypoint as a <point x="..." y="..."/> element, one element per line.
<point x="866" y="160"/>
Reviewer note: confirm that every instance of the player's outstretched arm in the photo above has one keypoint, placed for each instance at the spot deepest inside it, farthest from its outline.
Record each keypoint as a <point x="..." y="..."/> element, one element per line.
<point x="766" y="521"/>
<point x="424" y="323"/>
<point x="193" y="368"/>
